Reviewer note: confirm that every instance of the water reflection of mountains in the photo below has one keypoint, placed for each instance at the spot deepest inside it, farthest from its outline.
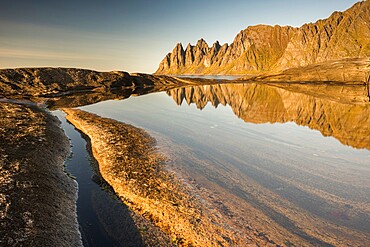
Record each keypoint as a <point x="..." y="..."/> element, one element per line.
<point x="333" y="110"/>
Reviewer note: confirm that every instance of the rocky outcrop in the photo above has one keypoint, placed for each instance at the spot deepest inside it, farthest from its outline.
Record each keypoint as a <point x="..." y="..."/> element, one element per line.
<point x="319" y="107"/>
<point x="56" y="81"/>
<point x="265" y="48"/>
<point x="49" y="81"/>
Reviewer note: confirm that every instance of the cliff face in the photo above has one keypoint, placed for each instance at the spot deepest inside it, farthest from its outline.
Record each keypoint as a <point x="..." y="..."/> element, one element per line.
<point x="342" y="35"/>
<point x="265" y="48"/>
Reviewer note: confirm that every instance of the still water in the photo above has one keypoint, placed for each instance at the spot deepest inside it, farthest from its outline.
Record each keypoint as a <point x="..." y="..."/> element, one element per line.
<point x="103" y="219"/>
<point x="211" y="77"/>
<point x="293" y="166"/>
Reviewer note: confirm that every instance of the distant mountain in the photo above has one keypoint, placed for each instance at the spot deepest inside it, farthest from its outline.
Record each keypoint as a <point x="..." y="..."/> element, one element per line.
<point x="262" y="48"/>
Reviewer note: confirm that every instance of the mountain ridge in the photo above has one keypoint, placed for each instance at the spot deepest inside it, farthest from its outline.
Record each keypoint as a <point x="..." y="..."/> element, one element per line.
<point x="263" y="48"/>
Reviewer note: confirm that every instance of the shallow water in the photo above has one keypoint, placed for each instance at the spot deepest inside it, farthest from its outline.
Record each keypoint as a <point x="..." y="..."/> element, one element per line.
<point x="261" y="154"/>
<point x="103" y="219"/>
<point x="215" y="77"/>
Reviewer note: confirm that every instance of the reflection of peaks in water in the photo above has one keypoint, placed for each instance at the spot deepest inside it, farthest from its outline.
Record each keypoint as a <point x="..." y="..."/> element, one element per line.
<point x="211" y="77"/>
<point x="333" y="112"/>
<point x="268" y="183"/>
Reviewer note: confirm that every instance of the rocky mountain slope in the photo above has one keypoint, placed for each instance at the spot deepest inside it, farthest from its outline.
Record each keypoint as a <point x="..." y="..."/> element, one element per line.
<point x="348" y="70"/>
<point x="263" y="48"/>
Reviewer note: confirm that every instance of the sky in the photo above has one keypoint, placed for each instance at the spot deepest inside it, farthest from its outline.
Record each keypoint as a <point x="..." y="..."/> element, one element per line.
<point x="134" y="35"/>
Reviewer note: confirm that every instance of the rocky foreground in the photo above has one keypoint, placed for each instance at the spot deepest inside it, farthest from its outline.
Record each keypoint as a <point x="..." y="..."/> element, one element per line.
<point x="37" y="198"/>
<point x="130" y="163"/>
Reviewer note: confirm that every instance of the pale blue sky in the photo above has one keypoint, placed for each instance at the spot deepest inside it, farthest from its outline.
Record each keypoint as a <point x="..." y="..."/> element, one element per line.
<point x="134" y="35"/>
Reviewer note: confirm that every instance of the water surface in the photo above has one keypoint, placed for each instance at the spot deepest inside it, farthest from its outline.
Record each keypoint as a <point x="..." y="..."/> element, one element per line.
<point x="103" y="219"/>
<point x="211" y="77"/>
<point x="282" y="162"/>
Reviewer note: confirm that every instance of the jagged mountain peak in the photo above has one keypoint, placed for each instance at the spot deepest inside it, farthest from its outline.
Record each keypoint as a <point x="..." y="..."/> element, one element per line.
<point x="263" y="48"/>
<point x="178" y="47"/>
<point x="201" y="42"/>
<point x="216" y="45"/>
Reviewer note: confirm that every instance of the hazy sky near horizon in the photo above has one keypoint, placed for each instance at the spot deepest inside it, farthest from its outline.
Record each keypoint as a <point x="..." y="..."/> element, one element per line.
<point x="134" y="35"/>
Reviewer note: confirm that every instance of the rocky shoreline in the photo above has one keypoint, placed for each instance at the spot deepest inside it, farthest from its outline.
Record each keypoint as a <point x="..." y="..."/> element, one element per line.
<point x="37" y="197"/>
<point x="54" y="82"/>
